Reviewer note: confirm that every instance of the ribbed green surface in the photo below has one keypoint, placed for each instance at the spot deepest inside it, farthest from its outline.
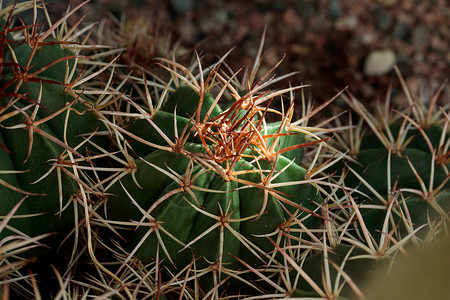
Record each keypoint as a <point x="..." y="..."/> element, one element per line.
<point x="192" y="217"/>
<point x="44" y="151"/>
<point x="383" y="171"/>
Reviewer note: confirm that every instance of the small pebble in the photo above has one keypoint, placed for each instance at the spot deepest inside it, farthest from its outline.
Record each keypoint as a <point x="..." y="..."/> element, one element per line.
<point x="306" y="9"/>
<point x="334" y="9"/>
<point x="379" y="62"/>
<point x="419" y="36"/>
<point x="181" y="6"/>
<point x="349" y="22"/>
<point x="383" y="19"/>
<point x="387" y="3"/>
<point x="401" y="30"/>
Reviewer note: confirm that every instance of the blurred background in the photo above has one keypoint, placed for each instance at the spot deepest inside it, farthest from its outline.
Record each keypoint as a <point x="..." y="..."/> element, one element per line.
<point x="333" y="43"/>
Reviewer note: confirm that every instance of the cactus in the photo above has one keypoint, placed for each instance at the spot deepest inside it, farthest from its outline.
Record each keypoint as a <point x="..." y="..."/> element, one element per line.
<point x="13" y="246"/>
<point x="393" y="193"/>
<point x="47" y="129"/>
<point x="397" y="192"/>
<point x="191" y="149"/>
<point x="206" y="187"/>
<point x="405" y="153"/>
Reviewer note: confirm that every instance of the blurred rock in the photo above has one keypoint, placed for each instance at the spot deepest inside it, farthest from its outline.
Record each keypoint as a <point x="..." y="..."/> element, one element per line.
<point x="334" y="9"/>
<point x="424" y="274"/>
<point x="347" y="23"/>
<point x="379" y="62"/>
<point x="328" y="40"/>
<point x="181" y="6"/>
<point x="401" y="30"/>
<point x="419" y="36"/>
<point x="388" y="3"/>
<point x="383" y="19"/>
<point x="306" y="9"/>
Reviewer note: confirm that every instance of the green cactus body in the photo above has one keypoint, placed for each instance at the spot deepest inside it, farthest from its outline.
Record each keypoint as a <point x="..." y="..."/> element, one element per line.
<point x="375" y="161"/>
<point x="214" y="219"/>
<point x="352" y="260"/>
<point x="47" y="88"/>
<point x="409" y="172"/>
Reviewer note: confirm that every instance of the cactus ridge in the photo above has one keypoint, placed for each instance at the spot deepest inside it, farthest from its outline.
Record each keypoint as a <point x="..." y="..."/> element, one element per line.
<point x="48" y="130"/>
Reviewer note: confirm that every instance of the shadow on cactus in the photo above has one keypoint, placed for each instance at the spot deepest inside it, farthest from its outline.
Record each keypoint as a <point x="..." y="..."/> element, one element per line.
<point x="45" y="126"/>
<point x="396" y="191"/>
<point x="402" y="164"/>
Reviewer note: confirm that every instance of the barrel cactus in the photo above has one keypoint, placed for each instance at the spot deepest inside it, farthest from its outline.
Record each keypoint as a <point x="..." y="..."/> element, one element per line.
<point x="396" y="191"/>
<point x="402" y="164"/>
<point x="209" y="187"/>
<point x="46" y="129"/>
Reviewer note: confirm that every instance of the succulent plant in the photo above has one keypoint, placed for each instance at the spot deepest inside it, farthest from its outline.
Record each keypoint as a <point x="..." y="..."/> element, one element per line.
<point x="396" y="192"/>
<point x="390" y="194"/>
<point x="211" y="187"/>
<point x="404" y="153"/>
<point x="219" y="195"/>
<point x="47" y="129"/>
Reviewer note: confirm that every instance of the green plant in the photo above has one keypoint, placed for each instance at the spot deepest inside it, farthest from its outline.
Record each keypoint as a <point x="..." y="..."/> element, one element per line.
<point x="191" y="167"/>
<point x="404" y="153"/>
<point x="11" y="247"/>
<point x="396" y="192"/>
<point x="47" y="129"/>
<point x="390" y="193"/>
<point x="210" y="187"/>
